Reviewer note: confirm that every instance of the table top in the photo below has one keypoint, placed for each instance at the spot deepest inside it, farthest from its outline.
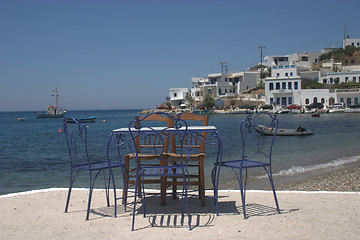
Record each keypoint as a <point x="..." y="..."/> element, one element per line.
<point x="189" y="128"/>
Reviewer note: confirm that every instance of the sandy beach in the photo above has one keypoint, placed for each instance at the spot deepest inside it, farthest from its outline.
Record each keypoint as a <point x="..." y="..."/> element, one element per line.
<point x="310" y="214"/>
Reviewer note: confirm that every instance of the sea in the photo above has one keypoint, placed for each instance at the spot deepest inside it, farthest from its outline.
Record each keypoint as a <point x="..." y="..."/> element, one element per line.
<point x="33" y="152"/>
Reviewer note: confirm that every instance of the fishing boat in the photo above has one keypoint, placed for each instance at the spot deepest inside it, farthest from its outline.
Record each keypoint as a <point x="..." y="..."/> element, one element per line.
<point x="83" y="120"/>
<point x="300" y="131"/>
<point x="52" y="111"/>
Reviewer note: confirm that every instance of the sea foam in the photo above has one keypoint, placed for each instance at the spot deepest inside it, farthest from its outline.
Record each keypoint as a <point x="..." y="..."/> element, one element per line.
<point x="305" y="169"/>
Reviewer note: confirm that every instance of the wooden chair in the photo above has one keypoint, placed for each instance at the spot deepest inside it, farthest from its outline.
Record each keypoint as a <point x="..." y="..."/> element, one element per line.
<point x="144" y="155"/>
<point x="196" y="160"/>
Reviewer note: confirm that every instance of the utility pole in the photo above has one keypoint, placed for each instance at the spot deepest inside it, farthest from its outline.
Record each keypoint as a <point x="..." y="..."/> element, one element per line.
<point x="344" y="37"/>
<point x="222" y="66"/>
<point x="261" y="66"/>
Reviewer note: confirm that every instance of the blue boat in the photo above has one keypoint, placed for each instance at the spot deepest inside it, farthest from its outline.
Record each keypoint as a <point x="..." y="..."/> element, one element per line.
<point x="83" y="120"/>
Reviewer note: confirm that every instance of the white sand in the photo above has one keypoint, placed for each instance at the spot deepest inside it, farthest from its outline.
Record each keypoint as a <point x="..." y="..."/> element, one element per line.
<point x="305" y="215"/>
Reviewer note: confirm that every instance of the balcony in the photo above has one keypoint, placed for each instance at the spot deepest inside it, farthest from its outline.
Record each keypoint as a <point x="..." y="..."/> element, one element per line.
<point x="282" y="91"/>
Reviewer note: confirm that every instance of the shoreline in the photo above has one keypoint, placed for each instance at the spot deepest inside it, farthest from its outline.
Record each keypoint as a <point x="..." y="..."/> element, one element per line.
<point x="344" y="179"/>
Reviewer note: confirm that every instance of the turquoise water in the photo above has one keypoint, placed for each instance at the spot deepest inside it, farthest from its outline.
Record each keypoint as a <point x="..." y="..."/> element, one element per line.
<point x="33" y="153"/>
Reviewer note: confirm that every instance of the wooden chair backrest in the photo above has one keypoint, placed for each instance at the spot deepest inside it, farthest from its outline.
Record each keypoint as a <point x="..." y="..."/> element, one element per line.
<point x="204" y="119"/>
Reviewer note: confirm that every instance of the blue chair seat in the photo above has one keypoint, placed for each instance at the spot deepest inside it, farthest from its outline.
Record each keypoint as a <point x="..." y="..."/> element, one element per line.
<point x="96" y="166"/>
<point x="162" y="171"/>
<point x="244" y="164"/>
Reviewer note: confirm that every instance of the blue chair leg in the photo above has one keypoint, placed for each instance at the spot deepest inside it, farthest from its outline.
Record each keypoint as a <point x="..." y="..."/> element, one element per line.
<point x="273" y="189"/>
<point x="72" y="178"/>
<point x="242" y="193"/>
<point x="134" y="209"/>
<point x="89" y="200"/>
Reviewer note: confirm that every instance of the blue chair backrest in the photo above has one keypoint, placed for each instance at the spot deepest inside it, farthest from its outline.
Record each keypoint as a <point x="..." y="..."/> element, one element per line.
<point x="258" y="134"/>
<point x="157" y="140"/>
<point x="76" y="139"/>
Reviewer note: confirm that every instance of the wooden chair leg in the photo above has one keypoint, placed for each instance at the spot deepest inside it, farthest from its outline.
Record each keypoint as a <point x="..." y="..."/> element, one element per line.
<point x="201" y="181"/>
<point x="125" y="189"/>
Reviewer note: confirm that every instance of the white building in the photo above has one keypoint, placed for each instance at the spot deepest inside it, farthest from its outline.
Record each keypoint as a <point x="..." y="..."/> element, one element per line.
<point x="221" y="85"/>
<point x="304" y="61"/>
<point x="340" y="77"/>
<point x="283" y="87"/>
<point x="177" y="96"/>
<point x="351" y="42"/>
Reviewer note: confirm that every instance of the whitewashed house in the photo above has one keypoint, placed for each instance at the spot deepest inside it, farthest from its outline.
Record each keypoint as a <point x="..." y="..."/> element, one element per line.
<point x="351" y="42"/>
<point x="303" y="61"/>
<point x="283" y="88"/>
<point x="221" y="85"/>
<point x="341" y="77"/>
<point x="177" y="96"/>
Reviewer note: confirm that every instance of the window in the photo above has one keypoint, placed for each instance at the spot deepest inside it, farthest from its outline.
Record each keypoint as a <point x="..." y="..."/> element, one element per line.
<point x="277" y="86"/>
<point x="291" y="74"/>
<point x="286" y="74"/>
<point x="271" y="86"/>
<point x="283" y="101"/>
<point x="352" y="61"/>
<point x="284" y="85"/>
<point x="315" y="100"/>
<point x="278" y="101"/>
<point x="331" y="80"/>
<point x="225" y="90"/>
<point x="219" y="91"/>
<point x="322" y="100"/>
<point x="324" y="80"/>
<point x="296" y="85"/>
<point x="348" y="101"/>
<point x="354" y="79"/>
<point x="271" y="101"/>
<point x="341" y="99"/>
<point x="290" y="100"/>
<point x="289" y="85"/>
<point x="225" y="79"/>
<point x="346" y="79"/>
<point x="175" y="94"/>
<point x="356" y="100"/>
<point x="306" y="101"/>
<point x="278" y="75"/>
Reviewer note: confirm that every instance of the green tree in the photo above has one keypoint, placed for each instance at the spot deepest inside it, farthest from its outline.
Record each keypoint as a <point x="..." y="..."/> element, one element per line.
<point x="209" y="101"/>
<point x="168" y="105"/>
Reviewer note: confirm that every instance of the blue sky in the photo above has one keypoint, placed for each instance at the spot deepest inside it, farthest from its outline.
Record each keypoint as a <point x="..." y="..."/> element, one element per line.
<point x="127" y="54"/>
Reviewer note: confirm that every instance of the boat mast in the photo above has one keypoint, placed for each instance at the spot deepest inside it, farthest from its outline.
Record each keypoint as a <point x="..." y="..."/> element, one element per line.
<point x="56" y="97"/>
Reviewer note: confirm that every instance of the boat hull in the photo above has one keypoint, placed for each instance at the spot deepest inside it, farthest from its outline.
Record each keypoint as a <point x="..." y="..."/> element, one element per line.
<point x="282" y="132"/>
<point x="82" y="120"/>
<point x="47" y="115"/>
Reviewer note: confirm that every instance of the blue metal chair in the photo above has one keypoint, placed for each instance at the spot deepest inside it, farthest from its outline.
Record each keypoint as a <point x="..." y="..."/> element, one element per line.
<point x="256" y="151"/>
<point x="160" y="166"/>
<point x="77" y="140"/>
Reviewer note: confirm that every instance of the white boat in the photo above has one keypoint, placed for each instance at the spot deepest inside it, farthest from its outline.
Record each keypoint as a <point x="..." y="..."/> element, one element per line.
<point x="52" y="111"/>
<point x="300" y="131"/>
